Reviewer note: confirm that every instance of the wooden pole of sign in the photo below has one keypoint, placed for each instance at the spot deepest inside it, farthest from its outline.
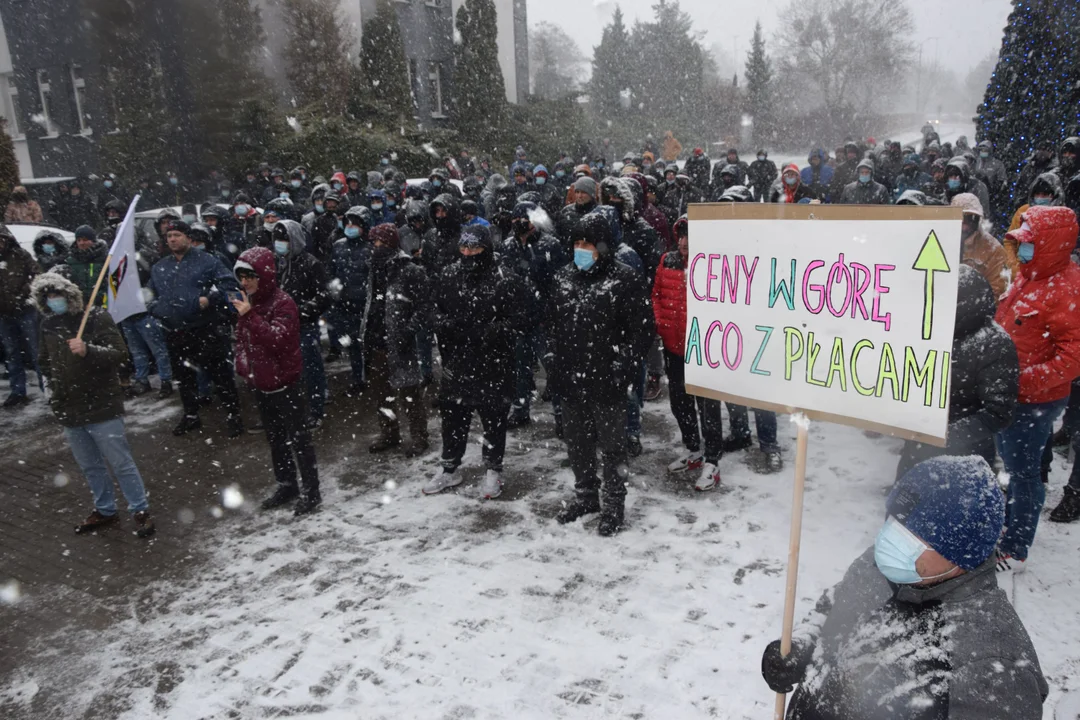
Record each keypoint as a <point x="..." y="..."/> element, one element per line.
<point x="90" y="300"/>
<point x="803" y="423"/>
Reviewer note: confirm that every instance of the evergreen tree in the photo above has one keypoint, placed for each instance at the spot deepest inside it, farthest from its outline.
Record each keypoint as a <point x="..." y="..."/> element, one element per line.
<point x="555" y="61"/>
<point x="382" y="61"/>
<point x="9" y="165"/>
<point x="611" y="67"/>
<point x="316" y="56"/>
<point x="479" y="104"/>
<point x="759" y="90"/>
<point x="1033" y="94"/>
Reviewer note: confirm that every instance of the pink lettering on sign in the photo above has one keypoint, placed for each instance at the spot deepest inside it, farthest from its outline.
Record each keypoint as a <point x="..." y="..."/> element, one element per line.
<point x="881" y="289"/>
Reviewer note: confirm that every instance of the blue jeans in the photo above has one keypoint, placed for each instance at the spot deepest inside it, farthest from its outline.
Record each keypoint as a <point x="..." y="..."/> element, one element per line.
<point x="1021" y="447"/>
<point x="314" y="369"/>
<point x="529" y="347"/>
<point x="144" y="338"/>
<point x="19" y="333"/>
<point x="93" y="446"/>
<point x="765" y="420"/>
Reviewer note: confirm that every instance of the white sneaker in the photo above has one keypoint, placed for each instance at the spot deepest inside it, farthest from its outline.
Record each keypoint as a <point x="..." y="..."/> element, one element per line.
<point x="1007" y="564"/>
<point x="443" y="480"/>
<point x="691" y="461"/>
<point x="710" y="478"/>
<point x="491" y="487"/>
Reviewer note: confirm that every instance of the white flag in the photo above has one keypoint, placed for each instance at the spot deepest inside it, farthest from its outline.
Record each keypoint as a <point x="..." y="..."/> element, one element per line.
<point x="125" y="291"/>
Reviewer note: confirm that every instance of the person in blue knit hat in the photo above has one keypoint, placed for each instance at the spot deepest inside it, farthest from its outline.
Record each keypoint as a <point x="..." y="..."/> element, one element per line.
<point x="918" y="627"/>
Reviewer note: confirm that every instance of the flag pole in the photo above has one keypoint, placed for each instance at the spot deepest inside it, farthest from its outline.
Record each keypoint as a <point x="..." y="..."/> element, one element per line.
<point x="793" y="550"/>
<point x="128" y="219"/>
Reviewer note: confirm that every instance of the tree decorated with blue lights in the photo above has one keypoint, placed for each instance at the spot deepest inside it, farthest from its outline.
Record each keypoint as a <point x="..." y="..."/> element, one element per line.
<point x="1034" y="92"/>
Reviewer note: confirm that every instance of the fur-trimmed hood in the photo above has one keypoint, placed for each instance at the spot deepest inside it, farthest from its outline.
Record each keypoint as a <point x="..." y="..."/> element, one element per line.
<point x="53" y="283"/>
<point x="620" y="187"/>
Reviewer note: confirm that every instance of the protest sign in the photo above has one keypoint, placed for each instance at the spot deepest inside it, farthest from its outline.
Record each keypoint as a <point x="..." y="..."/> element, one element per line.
<point x="837" y="313"/>
<point x="844" y="313"/>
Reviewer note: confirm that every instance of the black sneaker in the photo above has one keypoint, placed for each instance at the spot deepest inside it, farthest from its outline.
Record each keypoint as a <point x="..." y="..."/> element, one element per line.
<point x="577" y="508"/>
<point x="633" y="446"/>
<point x="1068" y="510"/>
<point x="166" y="390"/>
<point x="14" y="402"/>
<point x="307" y="504"/>
<point x="611" y="522"/>
<point x="385" y="443"/>
<point x="735" y="444"/>
<point x="144" y="524"/>
<point x="137" y="389"/>
<point x="235" y="425"/>
<point x="187" y="424"/>
<point x="313" y="423"/>
<point x="282" y="496"/>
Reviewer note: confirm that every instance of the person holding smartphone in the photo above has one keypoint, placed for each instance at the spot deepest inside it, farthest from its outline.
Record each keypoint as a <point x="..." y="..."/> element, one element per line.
<point x="268" y="356"/>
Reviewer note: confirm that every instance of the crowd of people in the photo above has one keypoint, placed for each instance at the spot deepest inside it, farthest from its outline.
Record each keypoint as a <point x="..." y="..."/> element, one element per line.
<point x="580" y="270"/>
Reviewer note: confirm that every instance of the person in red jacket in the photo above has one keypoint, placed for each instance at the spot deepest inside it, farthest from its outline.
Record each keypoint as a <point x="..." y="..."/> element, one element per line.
<point x="669" y="307"/>
<point x="268" y="356"/>
<point x="1039" y="312"/>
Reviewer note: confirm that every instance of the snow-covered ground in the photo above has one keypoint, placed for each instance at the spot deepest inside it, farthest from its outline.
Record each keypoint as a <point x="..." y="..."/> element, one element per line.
<point x="388" y="604"/>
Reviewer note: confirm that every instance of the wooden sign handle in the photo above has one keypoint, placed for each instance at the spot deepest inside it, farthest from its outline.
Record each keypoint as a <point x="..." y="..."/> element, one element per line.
<point x="793" y="550"/>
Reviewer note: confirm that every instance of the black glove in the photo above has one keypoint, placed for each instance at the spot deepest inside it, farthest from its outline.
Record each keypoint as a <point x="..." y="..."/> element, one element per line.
<point x="783" y="673"/>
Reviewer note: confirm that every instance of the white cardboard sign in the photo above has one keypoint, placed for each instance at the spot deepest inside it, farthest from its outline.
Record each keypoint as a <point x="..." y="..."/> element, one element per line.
<point x="845" y="313"/>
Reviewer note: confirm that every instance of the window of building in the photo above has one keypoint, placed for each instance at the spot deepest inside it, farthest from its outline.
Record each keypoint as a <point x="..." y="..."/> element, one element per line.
<point x="78" y="87"/>
<point x="435" y="90"/>
<point x="48" y="122"/>
<point x="15" y="116"/>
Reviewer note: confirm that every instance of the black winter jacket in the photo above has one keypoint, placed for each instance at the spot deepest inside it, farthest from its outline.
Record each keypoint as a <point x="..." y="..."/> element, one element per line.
<point x="405" y="307"/>
<point x="303" y="277"/>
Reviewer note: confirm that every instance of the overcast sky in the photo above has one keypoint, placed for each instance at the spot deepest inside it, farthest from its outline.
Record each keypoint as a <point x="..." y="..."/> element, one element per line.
<point x="968" y="29"/>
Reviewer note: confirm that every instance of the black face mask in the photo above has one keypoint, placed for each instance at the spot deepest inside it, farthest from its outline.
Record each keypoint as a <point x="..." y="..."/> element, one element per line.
<point x="472" y="263"/>
<point x="444" y="223"/>
<point x="728" y="181"/>
<point x="113" y="221"/>
<point x="521" y="228"/>
<point x="381" y="253"/>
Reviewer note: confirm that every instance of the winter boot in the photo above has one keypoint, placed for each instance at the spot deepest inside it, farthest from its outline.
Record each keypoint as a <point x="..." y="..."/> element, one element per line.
<point x="580" y="506"/>
<point x="94" y="521"/>
<point x="1068" y="510"/>
<point x="518" y="419"/>
<point x="235" y="425"/>
<point x="492" y="485"/>
<point x="333" y="356"/>
<point x="633" y="446"/>
<point x="307" y="504"/>
<point x="137" y="389"/>
<point x="691" y="461"/>
<point x="166" y="390"/>
<point x="1061" y="438"/>
<point x="710" y="478"/>
<point x="187" y="424"/>
<point x="611" y="521"/>
<point x="652" y="388"/>
<point x="771" y="462"/>
<point x="144" y="524"/>
<point x="443" y="480"/>
<point x="14" y="402"/>
<point x="735" y="444"/>
<point x="282" y="496"/>
<point x="386" y="442"/>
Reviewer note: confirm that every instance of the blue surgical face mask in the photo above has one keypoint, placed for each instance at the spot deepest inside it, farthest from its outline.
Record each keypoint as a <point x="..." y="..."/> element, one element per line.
<point x="340" y="224"/>
<point x="284" y="195"/>
<point x="761" y="157"/>
<point x="48" y="248"/>
<point x="1041" y="201"/>
<point x="198" y="248"/>
<point x="57" y="304"/>
<point x="241" y="209"/>
<point x="864" y="179"/>
<point x="1026" y="252"/>
<point x="953" y="183"/>
<point x="270" y="221"/>
<point x="391" y="202"/>
<point x="189" y="219"/>
<point x="670" y="181"/>
<point x="895" y="552"/>
<point x="600" y="165"/>
<point x="336" y="185"/>
<point x="376" y="206"/>
<point x="281" y="247"/>
<point x="384" y="161"/>
<point x="791" y="180"/>
<point x="352" y="232"/>
<point x="541" y="180"/>
<point x="108" y="183"/>
<point x="319" y="208"/>
<point x="295" y="183"/>
<point x="560" y="173"/>
<point x="436" y="183"/>
<point x="584" y="258"/>
<point x="174" y="181"/>
<point x="984" y="155"/>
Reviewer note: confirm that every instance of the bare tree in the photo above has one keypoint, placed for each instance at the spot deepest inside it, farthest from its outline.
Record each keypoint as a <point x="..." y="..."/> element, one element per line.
<point x="557" y="63"/>
<point x="852" y="52"/>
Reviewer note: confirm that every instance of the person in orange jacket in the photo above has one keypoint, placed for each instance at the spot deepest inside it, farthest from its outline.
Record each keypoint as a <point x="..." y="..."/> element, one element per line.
<point x="671" y="149"/>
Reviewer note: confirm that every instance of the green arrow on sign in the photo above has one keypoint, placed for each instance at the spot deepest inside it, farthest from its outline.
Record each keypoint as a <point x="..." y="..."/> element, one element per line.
<point x="931" y="260"/>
